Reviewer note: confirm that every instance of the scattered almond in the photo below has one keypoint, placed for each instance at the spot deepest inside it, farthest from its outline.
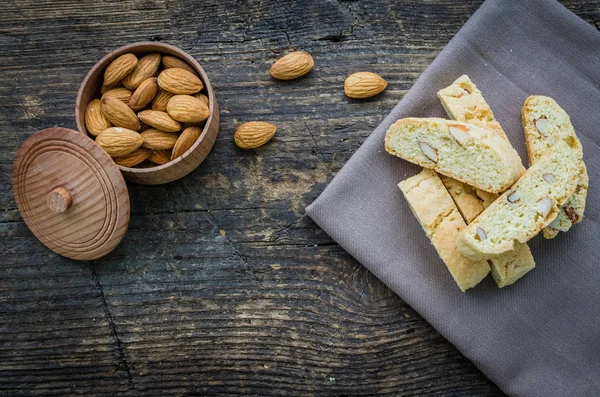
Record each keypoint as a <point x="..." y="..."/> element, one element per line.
<point x="428" y="151"/>
<point x="144" y="94"/>
<point x="158" y="140"/>
<point x="187" y="109"/>
<point x="146" y="67"/>
<point x="293" y="65"/>
<point x="119" y="68"/>
<point x="170" y="62"/>
<point x="119" y="114"/>
<point x="134" y="158"/>
<point x="121" y="93"/>
<point x="179" y="81"/>
<point x="119" y="142"/>
<point x="95" y="120"/>
<point x="186" y="140"/>
<point x="161" y="99"/>
<point x="364" y="85"/>
<point x="253" y="134"/>
<point x="160" y="157"/>
<point x="159" y="120"/>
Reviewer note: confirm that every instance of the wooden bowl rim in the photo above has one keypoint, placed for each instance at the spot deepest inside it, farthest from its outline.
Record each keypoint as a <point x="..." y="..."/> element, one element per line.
<point x="134" y="47"/>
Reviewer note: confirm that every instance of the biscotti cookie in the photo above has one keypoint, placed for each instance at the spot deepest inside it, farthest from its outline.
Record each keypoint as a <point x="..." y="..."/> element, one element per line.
<point x="463" y="101"/>
<point x="545" y="122"/>
<point x="470" y="201"/>
<point x="432" y="205"/>
<point x="456" y="149"/>
<point x="530" y="205"/>
<point x="512" y="265"/>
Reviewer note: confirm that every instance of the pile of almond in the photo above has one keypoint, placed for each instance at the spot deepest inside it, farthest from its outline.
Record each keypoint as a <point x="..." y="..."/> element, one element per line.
<point x="152" y="108"/>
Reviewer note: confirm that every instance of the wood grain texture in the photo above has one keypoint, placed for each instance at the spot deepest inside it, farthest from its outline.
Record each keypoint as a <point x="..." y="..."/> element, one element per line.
<point x="70" y="193"/>
<point x="222" y="286"/>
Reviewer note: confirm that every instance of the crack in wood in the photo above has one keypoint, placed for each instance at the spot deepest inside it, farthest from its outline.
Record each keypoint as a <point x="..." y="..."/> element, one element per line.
<point x="237" y="253"/>
<point x="287" y="36"/>
<point x="122" y="360"/>
<point x="317" y="147"/>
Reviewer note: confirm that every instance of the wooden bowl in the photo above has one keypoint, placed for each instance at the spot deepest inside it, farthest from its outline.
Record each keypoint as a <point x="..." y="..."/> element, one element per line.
<point x="181" y="166"/>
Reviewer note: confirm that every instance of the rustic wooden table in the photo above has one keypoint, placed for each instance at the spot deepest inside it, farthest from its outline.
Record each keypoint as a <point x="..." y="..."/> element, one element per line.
<point x="222" y="285"/>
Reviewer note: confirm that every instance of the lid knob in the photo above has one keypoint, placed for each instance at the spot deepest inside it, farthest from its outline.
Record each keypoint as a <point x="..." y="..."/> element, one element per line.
<point x="59" y="200"/>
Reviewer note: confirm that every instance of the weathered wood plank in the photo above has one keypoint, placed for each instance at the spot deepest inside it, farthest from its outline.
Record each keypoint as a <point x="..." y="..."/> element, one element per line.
<point x="222" y="285"/>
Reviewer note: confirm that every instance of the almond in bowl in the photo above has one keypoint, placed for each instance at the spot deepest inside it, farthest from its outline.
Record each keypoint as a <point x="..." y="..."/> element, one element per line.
<point x="155" y="94"/>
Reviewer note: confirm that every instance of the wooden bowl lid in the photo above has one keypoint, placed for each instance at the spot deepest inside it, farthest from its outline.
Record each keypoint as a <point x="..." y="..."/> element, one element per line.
<point x="70" y="193"/>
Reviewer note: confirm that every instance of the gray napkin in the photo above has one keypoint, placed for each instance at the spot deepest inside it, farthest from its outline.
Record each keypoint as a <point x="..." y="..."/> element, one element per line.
<point x="540" y="336"/>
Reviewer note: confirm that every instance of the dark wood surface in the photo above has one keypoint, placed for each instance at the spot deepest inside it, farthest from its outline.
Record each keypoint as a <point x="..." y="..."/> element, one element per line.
<point x="222" y="286"/>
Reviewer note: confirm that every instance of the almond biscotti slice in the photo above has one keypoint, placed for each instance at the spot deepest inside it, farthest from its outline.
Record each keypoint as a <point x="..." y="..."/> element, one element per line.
<point x="508" y="267"/>
<point x="545" y="122"/>
<point x="463" y="101"/>
<point x="470" y="201"/>
<point x="432" y="205"/>
<point x="530" y="204"/>
<point x="512" y="265"/>
<point x="456" y="149"/>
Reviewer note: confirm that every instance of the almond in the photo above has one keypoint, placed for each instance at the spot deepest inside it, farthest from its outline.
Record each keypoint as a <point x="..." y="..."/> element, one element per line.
<point x="144" y="94"/>
<point x="146" y="67"/>
<point x="253" y="134"/>
<point x="430" y="152"/>
<point x="179" y="81"/>
<point x="514" y="197"/>
<point x="119" y="68"/>
<point x="95" y="120"/>
<point x="292" y="65"/>
<point x="481" y="234"/>
<point x="170" y="62"/>
<point x="158" y="140"/>
<point x="202" y="97"/>
<point x="119" y="114"/>
<point x="119" y="142"/>
<point x="548" y="177"/>
<point x="459" y="132"/>
<point x="571" y="214"/>
<point x="159" y="120"/>
<point x="543" y="126"/>
<point x="133" y="158"/>
<point x="160" y="157"/>
<point x="544" y="206"/>
<point x="121" y="93"/>
<point x="161" y="99"/>
<point x="187" y="109"/>
<point x="186" y="140"/>
<point x="106" y="88"/>
<point x="364" y="85"/>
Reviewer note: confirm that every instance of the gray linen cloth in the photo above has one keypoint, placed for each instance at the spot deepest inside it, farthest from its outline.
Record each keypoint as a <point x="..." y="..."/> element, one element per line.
<point x="540" y="336"/>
